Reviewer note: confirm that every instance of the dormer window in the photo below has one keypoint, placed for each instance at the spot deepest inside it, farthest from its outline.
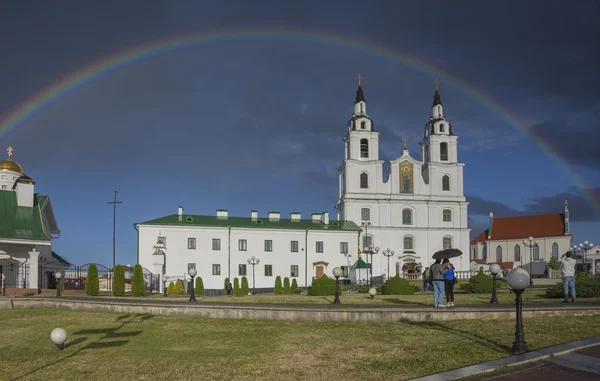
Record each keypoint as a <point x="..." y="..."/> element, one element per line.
<point x="442" y="127"/>
<point x="363" y="125"/>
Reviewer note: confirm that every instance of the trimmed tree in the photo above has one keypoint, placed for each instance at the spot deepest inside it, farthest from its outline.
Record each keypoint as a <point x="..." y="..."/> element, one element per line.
<point x="137" y="282"/>
<point x="245" y="288"/>
<point x="278" y="287"/>
<point x="92" y="285"/>
<point x="118" y="284"/>
<point x="553" y="264"/>
<point x="286" y="286"/>
<point x="294" y="284"/>
<point x="199" y="286"/>
<point x="236" y="287"/>
<point x="171" y="289"/>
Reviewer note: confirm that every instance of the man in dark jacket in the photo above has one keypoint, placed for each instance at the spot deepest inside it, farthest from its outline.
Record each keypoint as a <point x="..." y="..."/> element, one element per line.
<point x="437" y="275"/>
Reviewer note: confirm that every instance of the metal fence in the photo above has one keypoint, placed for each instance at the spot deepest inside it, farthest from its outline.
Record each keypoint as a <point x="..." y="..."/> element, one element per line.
<point x="13" y="274"/>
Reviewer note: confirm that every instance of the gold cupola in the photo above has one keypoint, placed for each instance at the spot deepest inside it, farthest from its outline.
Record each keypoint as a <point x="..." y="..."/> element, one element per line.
<point x="9" y="164"/>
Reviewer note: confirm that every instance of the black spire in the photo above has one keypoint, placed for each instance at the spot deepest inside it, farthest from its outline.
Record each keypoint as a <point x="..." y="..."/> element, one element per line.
<point x="436" y="97"/>
<point x="360" y="97"/>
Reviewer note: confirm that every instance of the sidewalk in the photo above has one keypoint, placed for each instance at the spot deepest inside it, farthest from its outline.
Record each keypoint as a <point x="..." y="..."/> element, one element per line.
<point x="578" y="360"/>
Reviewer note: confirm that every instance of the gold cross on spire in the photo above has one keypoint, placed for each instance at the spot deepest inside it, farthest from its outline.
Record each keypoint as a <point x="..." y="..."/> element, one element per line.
<point x="360" y="78"/>
<point x="404" y="140"/>
<point x="10" y="151"/>
<point x="437" y="84"/>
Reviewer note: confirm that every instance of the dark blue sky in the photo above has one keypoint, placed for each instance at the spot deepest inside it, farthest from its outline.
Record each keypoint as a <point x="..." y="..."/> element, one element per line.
<point x="256" y="124"/>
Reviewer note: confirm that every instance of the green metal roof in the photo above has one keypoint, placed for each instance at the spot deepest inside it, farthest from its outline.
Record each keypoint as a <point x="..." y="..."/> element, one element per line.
<point x="247" y="222"/>
<point x="360" y="264"/>
<point x="60" y="259"/>
<point x="21" y="222"/>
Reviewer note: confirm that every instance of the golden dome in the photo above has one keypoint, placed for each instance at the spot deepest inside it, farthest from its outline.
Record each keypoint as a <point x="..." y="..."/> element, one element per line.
<point x="9" y="164"/>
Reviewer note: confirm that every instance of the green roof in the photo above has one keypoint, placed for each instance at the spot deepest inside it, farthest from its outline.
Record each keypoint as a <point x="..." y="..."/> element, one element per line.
<point x="21" y="222"/>
<point x="247" y="222"/>
<point x="360" y="264"/>
<point x="60" y="259"/>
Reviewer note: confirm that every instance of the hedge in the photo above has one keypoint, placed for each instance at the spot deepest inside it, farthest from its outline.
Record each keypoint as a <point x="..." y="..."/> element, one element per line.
<point x="297" y="291"/>
<point x="585" y="287"/>
<point x="397" y="286"/>
<point x="245" y="289"/>
<point x="118" y="283"/>
<point x="179" y="289"/>
<point x="199" y="291"/>
<point x="137" y="283"/>
<point x="286" y="286"/>
<point x="323" y="286"/>
<point x="171" y="289"/>
<point x="236" y="287"/>
<point x="481" y="284"/>
<point x="92" y="285"/>
<point x="294" y="285"/>
<point x="278" y="286"/>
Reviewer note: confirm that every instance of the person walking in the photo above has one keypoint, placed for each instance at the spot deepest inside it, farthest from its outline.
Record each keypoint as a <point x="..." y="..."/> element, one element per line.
<point x="567" y="267"/>
<point x="449" y="280"/>
<point x="437" y="276"/>
<point x="426" y="279"/>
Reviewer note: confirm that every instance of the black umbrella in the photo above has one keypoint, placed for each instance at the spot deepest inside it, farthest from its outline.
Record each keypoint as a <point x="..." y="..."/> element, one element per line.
<point x="447" y="253"/>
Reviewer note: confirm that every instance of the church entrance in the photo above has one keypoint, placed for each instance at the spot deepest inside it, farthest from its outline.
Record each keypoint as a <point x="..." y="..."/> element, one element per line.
<point x="320" y="271"/>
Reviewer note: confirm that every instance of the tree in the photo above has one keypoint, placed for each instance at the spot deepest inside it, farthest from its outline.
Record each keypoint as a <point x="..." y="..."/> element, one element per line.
<point x="294" y="284"/>
<point x="179" y="289"/>
<point x="225" y="286"/>
<point x="286" y="286"/>
<point x="171" y="289"/>
<point x="137" y="282"/>
<point x="118" y="285"/>
<point x="245" y="289"/>
<point x="199" y="286"/>
<point x="553" y="264"/>
<point x="278" y="287"/>
<point x="236" y="287"/>
<point x="92" y="285"/>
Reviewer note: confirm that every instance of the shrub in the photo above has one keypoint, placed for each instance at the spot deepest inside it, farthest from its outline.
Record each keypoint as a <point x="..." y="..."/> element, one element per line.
<point x="585" y="287"/>
<point x="225" y="286"/>
<point x="171" y="289"/>
<point x="418" y="288"/>
<point x="297" y="291"/>
<point x="236" y="287"/>
<point x="28" y="294"/>
<point x="137" y="282"/>
<point x="323" y="286"/>
<point x="397" y="286"/>
<point x="199" y="286"/>
<point x="118" y="284"/>
<point x="286" y="286"/>
<point x="278" y="287"/>
<point x="92" y="286"/>
<point x="363" y="289"/>
<point x="179" y="289"/>
<point x="245" y="289"/>
<point x="294" y="285"/>
<point x="553" y="264"/>
<point x="480" y="284"/>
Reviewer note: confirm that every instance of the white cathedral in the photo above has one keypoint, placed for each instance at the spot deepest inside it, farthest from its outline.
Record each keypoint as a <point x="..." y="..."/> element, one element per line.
<point x="417" y="210"/>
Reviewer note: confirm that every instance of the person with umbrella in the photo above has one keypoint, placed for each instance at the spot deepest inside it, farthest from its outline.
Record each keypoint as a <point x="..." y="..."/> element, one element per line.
<point x="437" y="274"/>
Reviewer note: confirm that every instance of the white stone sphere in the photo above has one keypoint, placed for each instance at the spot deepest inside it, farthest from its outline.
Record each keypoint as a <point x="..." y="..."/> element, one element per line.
<point x="372" y="291"/>
<point x="58" y="336"/>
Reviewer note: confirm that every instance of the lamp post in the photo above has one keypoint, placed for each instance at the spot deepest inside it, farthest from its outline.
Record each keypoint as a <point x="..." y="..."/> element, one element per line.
<point x="337" y="273"/>
<point x="531" y="243"/>
<point x="372" y="292"/>
<point x="517" y="280"/>
<point x="388" y="253"/>
<point x="494" y="269"/>
<point x="371" y="251"/>
<point x="366" y="242"/>
<point x="58" y="337"/>
<point x="165" y="280"/>
<point x="58" y="277"/>
<point x="253" y="261"/>
<point x="159" y="259"/>
<point x="585" y="246"/>
<point x="192" y="273"/>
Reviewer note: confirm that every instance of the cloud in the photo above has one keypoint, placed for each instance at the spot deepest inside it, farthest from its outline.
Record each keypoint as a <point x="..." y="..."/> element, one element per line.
<point x="321" y="179"/>
<point x="481" y="206"/>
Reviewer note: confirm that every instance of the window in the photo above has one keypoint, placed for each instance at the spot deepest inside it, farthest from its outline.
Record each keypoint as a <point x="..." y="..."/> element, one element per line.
<point x="555" y="250"/>
<point x="345" y="271"/>
<point x="406" y="217"/>
<point x="408" y="243"/>
<point x="367" y="241"/>
<point x="536" y="252"/>
<point x="362" y="124"/>
<point x="242" y="270"/>
<point x="498" y="254"/>
<point x="192" y="243"/>
<point x="484" y="252"/>
<point x="191" y="266"/>
<point x="444" y="151"/>
<point x="268" y="270"/>
<point x="294" y="246"/>
<point x="447" y="215"/>
<point x="4" y="187"/>
<point x="447" y="242"/>
<point x="446" y="183"/>
<point x="364" y="180"/>
<point x="242" y="245"/>
<point x="517" y="253"/>
<point x="294" y="271"/>
<point x="475" y="252"/>
<point x="163" y="240"/>
<point x="442" y="129"/>
<point x="216" y="244"/>
<point x="268" y="245"/>
<point x="216" y="269"/>
<point x="364" y="148"/>
<point x="319" y="246"/>
<point x="344" y="247"/>
<point x="365" y="214"/>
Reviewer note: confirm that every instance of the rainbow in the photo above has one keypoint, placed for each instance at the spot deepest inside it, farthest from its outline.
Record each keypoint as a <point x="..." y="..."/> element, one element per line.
<point x="130" y="55"/>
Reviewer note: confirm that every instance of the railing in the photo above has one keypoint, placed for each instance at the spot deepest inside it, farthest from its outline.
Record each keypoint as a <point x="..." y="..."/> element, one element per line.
<point x="412" y="276"/>
<point x="554" y="274"/>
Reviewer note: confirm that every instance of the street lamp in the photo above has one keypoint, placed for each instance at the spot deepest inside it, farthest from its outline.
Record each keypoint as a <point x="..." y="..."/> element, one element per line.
<point x="585" y="246"/>
<point x="337" y="273"/>
<point x="159" y="259"/>
<point x="253" y="261"/>
<point x="494" y="269"/>
<point x="58" y="276"/>
<point x="192" y="273"/>
<point x="165" y="280"/>
<point x="58" y="337"/>
<point x="517" y="280"/>
<point x="371" y="251"/>
<point x="372" y="292"/>
<point x="366" y="242"/>
<point x="388" y="253"/>
<point x="531" y="243"/>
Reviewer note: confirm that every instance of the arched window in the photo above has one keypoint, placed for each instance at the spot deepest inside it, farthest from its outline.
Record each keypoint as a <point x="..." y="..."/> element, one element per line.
<point x="363" y="125"/>
<point x="409" y="243"/>
<point x="517" y="253"/>
<point x="446" y="183"/>
<point x="367" y="240"/>
<point x="536" y="252"/>
<point x="555" y="250"/>
<point x="498" y="254"/>
<point x="406" y="217"/>
<point x="365" y="214"/>
<point x="475" y="252"/>
<point x="364" y="148"/>
<point x="364" y="180"/>
<point x="444" y="151"/>
<point x="484" y="252"/>
<point x="447" y="242"/>
<point x="447" y="215"/>
<point x="442" y="128"/>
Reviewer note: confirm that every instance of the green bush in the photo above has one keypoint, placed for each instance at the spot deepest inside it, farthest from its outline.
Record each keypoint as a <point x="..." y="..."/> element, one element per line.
<point x="397" y="286"/>
<point x="553" y="264"/>
<point x="297" y="291"/>
<point x="294" y="285"/>
<point x="171" y="289"/>
<point x="379" y="290"/>
<point x="199" y="286"/>
<point x="245" y="289"/>
<point x="585" y="287"/>
<point x="118" y="284"/>
<point x="28" y="294"/>
<point x="323" y="286"/>
<point x="137" y="282"/>
<point x="480" y="284"/>
<point x="278" y="287"/>
<point x="418" y="288"/>
<point x="225" y="286"/>
<point x="92" y="285"/>
<point x="286" y="286"/>
<point x="236" y="287"/>
<point x="363" y="289"/>
<point x="179" y="289"/>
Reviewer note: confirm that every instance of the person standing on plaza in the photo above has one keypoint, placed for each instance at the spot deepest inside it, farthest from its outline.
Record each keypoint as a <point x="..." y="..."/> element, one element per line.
<point x="567" y="267"/>
<point x="449" y="282"/>
<point x="426" y="279"/>
<point x="437" y="275"/>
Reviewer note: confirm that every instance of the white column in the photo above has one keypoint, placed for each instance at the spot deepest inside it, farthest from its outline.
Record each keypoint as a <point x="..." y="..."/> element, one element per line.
<point x="158" y="270"/>
<point x="33" y="268"/>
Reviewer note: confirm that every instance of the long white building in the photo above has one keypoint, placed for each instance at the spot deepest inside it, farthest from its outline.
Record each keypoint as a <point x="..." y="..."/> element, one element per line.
<point x="418" y="209"/>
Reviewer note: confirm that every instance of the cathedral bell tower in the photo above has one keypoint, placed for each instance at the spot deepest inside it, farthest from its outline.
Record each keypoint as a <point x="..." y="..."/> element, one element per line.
<point x="362" y="141"/>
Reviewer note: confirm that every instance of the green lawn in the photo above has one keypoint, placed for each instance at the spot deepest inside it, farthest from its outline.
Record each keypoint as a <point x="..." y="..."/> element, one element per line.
<point x="113" y="346"/>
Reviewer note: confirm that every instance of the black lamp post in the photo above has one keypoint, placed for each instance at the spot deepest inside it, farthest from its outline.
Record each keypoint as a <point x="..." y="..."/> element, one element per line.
<point x="58" y="277"/>
<point x="337" y="273"/>
<point x="517" y="280"/>
<point x="494" y="269"/>
<point x="192" y="273"/>
<point x="388" y="253"/>
<point x="531" y="243"/>
<point x="253" y="261"/>
<point x="371" y="251"/>
<point x="165" y="281"/>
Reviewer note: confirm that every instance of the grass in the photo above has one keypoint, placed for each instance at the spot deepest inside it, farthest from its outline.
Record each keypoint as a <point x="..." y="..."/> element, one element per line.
<point x="112" y="346"/>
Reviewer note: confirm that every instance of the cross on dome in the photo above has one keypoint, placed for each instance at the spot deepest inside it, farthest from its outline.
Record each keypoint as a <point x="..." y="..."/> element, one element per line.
<point x="10" y="151"/>
<point x="437" y="84"/>
<point x="404" y="140"/>
<point x="360" y="78"/>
